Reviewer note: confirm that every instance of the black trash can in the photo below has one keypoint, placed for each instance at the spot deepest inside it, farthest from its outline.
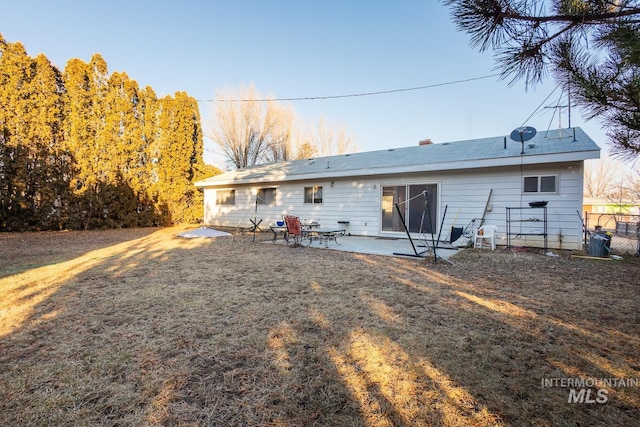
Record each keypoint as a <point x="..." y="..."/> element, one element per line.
<point x="456" y="233"/>
<point x="600" y="244"/>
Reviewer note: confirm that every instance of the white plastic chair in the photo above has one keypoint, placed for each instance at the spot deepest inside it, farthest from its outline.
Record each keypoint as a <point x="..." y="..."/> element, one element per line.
<point x="486" y="232"/>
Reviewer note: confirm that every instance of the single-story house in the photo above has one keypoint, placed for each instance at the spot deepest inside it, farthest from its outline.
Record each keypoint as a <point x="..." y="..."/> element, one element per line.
<point x="435" y="187"/>
<point x="621" y="216"/>
<point x="603" y="205"/>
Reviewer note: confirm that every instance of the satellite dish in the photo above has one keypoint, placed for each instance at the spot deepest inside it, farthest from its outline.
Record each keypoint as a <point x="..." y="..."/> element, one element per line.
<point x="523" y="134"/>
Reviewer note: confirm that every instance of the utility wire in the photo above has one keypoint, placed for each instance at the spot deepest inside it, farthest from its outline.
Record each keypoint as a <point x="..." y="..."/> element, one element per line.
<point x="538" y="107"/>
<point x="555" y="110"/>
<point x="353" y="95"/>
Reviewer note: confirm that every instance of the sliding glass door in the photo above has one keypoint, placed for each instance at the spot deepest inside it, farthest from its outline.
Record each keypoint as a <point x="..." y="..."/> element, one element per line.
<point x="392" y="195"/>
<point x="417" y="204"/>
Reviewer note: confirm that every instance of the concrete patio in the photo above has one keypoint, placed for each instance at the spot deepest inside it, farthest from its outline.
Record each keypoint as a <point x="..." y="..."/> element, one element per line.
<point x="386" y="246"/>
<point x="400" y="247"/>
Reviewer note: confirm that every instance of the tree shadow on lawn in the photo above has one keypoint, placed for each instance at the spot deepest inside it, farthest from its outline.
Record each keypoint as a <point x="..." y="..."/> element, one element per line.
<point x="23" y="251"/>
<point x="521" y="326"/>
<point x="165" y="331"/>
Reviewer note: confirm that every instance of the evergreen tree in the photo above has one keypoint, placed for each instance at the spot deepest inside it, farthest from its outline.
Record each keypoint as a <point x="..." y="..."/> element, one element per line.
<point x="32" y="166"/>
<point x="591" y="46"/>
<point x="49" y="169"/>
<point x="179" y="161"/>
<point x="85" y="149"/>
<point x="150" y="214"/>
<point x="122" y="141"/>
<point x="88" y="140"/>
<point x="14" y="75"/>
<point x="79" y="137"/>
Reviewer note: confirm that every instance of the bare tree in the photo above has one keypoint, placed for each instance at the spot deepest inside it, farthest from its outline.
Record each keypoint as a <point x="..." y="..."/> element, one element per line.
<point x="328" y="140"/>
<point x="251" y="130"/>
<point x="306" y="150"/>
<point x="237" y="129"/>
<point x="283" y="133"/>
<point x="626" y="191"/>
<point x="612" y="180"/>
<point x="634" y="185"/>
<point x="599" y="177"/>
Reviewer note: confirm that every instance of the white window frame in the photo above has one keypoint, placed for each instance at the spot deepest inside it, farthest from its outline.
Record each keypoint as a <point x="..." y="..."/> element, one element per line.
<point x="539" y="184"/>
<point x="267" y="196"/>
<point x="314" y="190"/>
<point x="229" y="200"/>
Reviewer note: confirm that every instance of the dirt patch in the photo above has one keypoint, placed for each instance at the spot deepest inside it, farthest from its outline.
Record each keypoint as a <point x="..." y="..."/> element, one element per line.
<point x="138" y="327"/>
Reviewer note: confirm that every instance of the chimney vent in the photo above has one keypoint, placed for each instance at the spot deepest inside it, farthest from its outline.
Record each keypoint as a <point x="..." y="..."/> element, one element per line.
<point x="426" y="141"/>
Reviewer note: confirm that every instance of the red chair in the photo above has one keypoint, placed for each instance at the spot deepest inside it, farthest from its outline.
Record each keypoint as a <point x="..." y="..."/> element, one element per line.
<point x="294" y="228"/>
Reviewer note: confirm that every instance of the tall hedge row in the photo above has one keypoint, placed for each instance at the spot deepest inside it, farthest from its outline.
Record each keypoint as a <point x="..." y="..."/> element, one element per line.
<point x="83" y="148"/>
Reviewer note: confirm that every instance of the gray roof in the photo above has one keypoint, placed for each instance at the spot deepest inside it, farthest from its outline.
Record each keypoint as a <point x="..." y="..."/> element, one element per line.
<point x="545" y="147"/>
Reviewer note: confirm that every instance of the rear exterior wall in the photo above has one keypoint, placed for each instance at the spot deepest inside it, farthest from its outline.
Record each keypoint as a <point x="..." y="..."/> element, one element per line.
<point x="463" y="194"/>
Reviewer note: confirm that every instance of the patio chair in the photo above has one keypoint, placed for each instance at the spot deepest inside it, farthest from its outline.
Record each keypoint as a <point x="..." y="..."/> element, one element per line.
<point x="486" y="232"/>
<point x="294" y="229"/>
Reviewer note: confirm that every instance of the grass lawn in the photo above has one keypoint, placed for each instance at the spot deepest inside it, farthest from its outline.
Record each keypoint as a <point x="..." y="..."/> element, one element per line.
<point x="138" y="327"/>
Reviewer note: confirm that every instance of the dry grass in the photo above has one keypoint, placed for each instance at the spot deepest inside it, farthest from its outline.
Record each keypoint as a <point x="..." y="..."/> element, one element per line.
<point x="137" y="327"/>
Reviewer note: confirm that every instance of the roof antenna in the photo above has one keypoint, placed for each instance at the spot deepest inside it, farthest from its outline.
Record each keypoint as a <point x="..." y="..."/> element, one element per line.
<point x="523" y="134"/>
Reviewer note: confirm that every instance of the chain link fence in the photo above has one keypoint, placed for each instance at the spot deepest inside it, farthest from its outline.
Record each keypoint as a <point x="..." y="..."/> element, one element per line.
<point x="624" y="231"/>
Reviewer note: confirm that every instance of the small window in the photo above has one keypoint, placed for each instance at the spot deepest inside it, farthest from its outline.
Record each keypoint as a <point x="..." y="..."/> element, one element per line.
<point x="313" y="194"/>
<point x="266" y="196"/>
<point x="531" y="184"/>
<point x="225" y="197"/>
<point x="540" y="184"/>
<point x="547" y="184"/>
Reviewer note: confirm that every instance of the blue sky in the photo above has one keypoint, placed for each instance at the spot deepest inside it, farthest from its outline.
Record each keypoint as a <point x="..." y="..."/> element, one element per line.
<point x="289" y="49"/>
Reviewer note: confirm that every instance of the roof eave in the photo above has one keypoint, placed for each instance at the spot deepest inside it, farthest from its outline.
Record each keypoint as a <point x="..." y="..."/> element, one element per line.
<point x="434" y="167"/>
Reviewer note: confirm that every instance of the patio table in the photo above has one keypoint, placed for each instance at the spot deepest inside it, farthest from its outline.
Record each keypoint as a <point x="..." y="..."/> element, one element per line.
<point x="280" y="229"/>
<point x="325" y="234"/>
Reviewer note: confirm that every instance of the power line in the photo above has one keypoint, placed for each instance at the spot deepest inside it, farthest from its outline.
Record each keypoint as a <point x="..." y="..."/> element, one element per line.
<point x="539" y="106"/>
<point x="353" y="95"/>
